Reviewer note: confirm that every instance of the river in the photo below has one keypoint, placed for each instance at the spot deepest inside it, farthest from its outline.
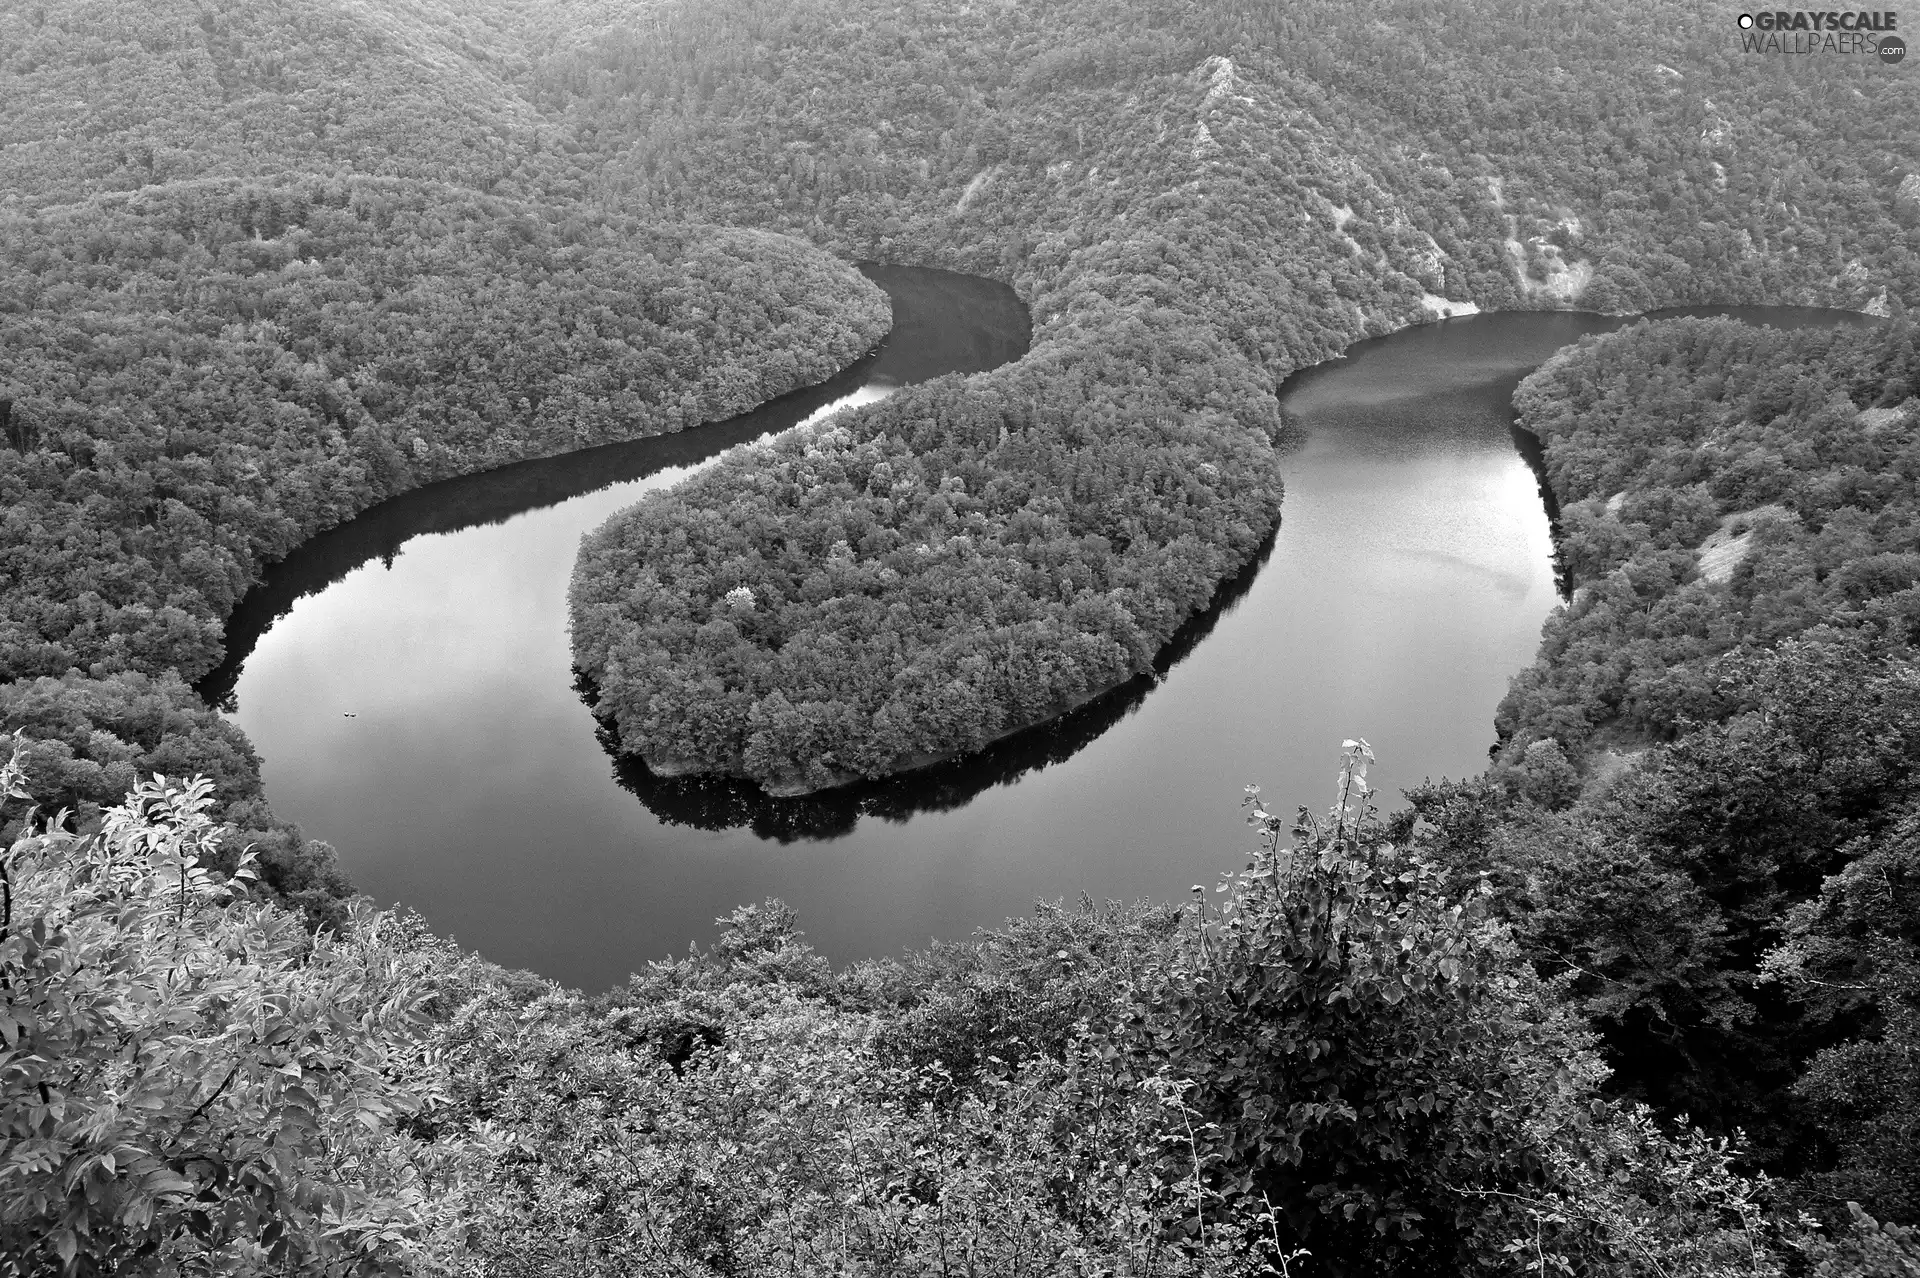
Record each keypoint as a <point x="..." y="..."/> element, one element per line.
<point x="1407" y="582"/>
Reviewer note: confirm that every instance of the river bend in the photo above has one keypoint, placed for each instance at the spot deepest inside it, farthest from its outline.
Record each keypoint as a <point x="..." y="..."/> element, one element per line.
<point x="1407" y="582"/>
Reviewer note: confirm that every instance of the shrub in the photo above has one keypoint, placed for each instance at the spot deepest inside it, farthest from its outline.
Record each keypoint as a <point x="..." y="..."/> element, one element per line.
<point x="193" y="1082"/>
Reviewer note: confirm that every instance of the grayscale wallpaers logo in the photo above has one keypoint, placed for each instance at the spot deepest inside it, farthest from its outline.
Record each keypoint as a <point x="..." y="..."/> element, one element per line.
<point x="1870" y="34"/>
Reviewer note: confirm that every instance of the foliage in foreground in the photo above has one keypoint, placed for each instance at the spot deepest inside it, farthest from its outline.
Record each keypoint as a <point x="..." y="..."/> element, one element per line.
<point x="193" y="1083"/>
<point x="1732" y="906"/>
<point x="85" y="742"/>
<point x="1345" y="1068"/>
<point x="1736" y="913"/>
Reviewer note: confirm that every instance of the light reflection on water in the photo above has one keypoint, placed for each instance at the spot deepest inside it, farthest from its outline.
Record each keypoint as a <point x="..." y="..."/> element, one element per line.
<point x="1406" y="585"/>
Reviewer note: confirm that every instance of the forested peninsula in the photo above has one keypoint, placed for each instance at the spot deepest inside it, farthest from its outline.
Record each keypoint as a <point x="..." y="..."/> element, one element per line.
<point x="1190" y="228"/>
<point x="265" y="263"/>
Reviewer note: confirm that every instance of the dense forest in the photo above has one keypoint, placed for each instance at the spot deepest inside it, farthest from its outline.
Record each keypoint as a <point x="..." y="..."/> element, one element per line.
<point x="199" y="377"/>
<point x="839" y="604"/>
<point x="210" y="373"/>
<point x="1704" y="807"/>
<point x="1718" y="486"/>
<point x="266" y="264"/>
<point x="1194" y="214"/>
<point x="1343" y="1056"/>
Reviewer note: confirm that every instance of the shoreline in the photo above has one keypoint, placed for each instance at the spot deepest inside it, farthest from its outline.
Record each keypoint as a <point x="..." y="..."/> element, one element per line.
<point x="905" y="766"/>
<point x="263" y="586"/>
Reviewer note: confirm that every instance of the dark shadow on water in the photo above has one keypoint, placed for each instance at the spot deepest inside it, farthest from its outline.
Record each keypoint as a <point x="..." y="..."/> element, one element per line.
<point x="1534" y="454"/>
<point x="490" y="498"/>
<point x="726" y="803"/>
<point x="943" y="323"/>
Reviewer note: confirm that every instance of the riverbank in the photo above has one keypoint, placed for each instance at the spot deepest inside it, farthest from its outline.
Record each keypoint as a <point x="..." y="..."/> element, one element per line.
<point x="203" y="376"/>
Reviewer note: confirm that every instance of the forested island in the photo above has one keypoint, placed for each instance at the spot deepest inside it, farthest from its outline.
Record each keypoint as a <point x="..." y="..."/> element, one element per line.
<point x="1639" y="1000"/>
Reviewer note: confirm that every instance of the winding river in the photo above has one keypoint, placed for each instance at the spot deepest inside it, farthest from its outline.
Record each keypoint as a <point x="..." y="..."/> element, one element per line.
<point x="1406" y="584"/>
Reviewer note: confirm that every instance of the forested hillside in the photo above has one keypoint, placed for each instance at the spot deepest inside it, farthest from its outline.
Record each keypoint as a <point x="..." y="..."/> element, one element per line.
<point x="1704" y="811"/>
<point x="1196" y="205"/>
<point x="251" y="283"/>
<point x="1719" y="486"/>
<point x="208" y="373"/>
<point x="264" y="264"/>
<point x="115" y="95"/>
<point x="1635" y="140"/>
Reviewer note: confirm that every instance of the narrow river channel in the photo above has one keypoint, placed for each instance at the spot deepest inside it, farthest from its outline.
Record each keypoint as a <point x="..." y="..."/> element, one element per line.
<point x="1408" y="581"/>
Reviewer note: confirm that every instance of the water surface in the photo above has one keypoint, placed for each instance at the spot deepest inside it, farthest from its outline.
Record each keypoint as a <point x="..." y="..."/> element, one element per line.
<point x="1406" y="584"/>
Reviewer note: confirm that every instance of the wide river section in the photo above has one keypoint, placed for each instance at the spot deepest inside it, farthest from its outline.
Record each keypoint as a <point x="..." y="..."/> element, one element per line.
<point x="1407" y="582"/>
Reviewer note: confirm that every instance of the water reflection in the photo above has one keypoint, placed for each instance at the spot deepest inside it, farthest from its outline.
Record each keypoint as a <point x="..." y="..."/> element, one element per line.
<point x="1407" y="583"/>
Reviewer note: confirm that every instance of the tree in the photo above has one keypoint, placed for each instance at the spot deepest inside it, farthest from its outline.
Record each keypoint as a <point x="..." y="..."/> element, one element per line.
<point x="190" y="1082"/>
<point x="1360" y="1045"/>
<point x="1853" y="957"/>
